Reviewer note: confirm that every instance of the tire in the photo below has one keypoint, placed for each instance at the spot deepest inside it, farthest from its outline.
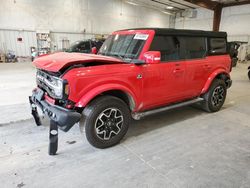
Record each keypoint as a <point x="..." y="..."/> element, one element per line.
<point x="249" y="74"/>
<point x="215" y="97"/>
<point x="106" y="121"/>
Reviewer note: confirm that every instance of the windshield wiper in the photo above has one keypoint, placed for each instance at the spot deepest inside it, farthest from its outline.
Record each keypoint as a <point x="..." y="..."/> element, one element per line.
<point x="114" y="55"/>
<point x="117" y="55"/>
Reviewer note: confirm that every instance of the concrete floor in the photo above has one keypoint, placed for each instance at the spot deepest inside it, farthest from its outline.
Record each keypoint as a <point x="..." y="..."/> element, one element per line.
<point x="16" y="83"/>
<point x="181" y="148"/>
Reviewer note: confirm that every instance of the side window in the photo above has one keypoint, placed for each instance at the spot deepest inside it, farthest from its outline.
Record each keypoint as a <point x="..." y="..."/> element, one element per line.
<point x="192" y="47"/>
<point x="217" y="46"/>
<point x="168" y="46"/>
<point x="84" y="47"/>
<point x="179" y="48"/>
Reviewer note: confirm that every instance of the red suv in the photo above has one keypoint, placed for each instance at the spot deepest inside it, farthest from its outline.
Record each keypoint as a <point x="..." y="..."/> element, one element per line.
<point x="137" y="72"/>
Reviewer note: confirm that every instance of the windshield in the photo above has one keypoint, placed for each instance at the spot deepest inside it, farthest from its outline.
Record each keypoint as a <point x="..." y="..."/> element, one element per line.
<point x="126" y="47"/>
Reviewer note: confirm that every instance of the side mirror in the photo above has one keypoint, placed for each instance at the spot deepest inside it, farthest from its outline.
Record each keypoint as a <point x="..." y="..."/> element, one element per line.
<point x="152" y="57"/>
<point x="94" y="50"/>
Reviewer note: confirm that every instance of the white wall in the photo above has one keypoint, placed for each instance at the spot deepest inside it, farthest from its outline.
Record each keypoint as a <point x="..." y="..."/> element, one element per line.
<point x="203" y="21"/>
<point x="70" y="18"/>
<point x="235" y="21"/>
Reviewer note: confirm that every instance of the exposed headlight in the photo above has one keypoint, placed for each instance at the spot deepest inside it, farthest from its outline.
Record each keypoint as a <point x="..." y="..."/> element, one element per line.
<point x="53" y="85"/>
<point x="57" y="86"/>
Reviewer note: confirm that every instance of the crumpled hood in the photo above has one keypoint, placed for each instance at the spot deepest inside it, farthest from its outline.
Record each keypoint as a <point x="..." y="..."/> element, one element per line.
<point x="56" y="61"/>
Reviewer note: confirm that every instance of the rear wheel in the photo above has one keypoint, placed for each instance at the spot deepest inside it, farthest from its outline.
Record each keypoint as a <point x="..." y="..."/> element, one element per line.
<point x="215" y="97"/>
<point x="106" y="121"/>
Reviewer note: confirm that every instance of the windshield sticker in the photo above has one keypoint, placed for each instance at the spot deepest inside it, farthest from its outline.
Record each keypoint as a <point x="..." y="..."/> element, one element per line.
<point x="141" y="36"/>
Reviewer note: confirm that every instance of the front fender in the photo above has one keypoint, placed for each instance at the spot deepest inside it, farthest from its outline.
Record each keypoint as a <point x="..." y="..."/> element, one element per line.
<point x="212" y="77"/>
<point x="86" y="98"/>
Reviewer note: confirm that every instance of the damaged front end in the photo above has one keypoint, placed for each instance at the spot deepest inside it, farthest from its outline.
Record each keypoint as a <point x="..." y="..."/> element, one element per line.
<point x="51" y="97"/>
<point x="64" y="118"/>
<point x="50" y="89"/>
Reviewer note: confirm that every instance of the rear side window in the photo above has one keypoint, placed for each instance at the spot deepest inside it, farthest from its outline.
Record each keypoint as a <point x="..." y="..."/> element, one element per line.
<point x="179" y="47"/>
<point x="217" y="46"/>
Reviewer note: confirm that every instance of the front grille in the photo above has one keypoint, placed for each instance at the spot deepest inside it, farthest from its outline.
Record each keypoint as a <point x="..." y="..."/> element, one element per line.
<point x="43" y="81"/>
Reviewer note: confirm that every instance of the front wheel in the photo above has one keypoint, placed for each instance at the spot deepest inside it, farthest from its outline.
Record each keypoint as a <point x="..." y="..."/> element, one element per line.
<point x="106" y="121"/>
<point x="215" y="97"/>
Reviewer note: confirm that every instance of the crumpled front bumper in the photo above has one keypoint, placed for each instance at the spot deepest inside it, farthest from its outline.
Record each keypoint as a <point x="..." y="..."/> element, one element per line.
<point x="64" y="118"/>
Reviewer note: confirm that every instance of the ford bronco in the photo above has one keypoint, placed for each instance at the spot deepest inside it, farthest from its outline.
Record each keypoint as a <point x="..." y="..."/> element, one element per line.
<point x="137" y="72"/>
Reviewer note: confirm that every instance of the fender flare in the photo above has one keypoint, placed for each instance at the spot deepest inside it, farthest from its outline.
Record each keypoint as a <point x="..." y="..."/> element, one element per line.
<point x="212" y="77"/>
<point x="90" y="95"/>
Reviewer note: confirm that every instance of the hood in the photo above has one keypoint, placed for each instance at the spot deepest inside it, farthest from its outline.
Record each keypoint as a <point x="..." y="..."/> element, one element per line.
<point x="57" y="61"/>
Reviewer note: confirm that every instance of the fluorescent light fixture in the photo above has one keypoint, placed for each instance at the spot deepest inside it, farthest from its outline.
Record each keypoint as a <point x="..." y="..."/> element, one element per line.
<point x="165" y="12"/>
<point x="131" y="3"/>
<point x="169" y="7"/>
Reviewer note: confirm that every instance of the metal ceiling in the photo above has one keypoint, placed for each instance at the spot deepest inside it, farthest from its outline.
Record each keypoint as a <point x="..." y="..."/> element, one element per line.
<point x="173" y="6"/>
<point x="229" y="1"/>
<point x="212" y="4"/>
<point x="167" y="5"/>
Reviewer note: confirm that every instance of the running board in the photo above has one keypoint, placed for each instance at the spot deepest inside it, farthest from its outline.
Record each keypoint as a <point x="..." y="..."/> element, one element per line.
<point x="139" y="115"/>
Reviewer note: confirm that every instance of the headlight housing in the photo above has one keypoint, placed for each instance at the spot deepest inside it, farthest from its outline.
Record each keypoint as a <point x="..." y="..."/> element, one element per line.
<point x="57" y="87"/>
<point x="54" y="86"/>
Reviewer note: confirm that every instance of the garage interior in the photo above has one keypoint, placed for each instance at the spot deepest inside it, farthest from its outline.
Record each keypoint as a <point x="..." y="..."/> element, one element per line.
<point x="184" y="147"/>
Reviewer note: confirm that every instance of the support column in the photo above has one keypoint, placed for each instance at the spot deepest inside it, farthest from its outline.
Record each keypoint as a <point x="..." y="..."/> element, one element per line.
<point x="217" y="18"/>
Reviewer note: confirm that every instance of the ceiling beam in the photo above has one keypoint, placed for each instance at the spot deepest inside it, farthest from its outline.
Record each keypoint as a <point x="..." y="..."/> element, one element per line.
<point x="237" y="3"/>
<point x="208" y="4"/>
<point x="217" y="17"/>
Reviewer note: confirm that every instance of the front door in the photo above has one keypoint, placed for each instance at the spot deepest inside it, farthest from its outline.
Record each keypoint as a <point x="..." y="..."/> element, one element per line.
<point x="163" y="83"/>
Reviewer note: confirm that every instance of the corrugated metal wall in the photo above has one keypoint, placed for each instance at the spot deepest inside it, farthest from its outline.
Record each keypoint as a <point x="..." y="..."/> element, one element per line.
<point x="57" y="38"/>
<point x="8" y="41"/>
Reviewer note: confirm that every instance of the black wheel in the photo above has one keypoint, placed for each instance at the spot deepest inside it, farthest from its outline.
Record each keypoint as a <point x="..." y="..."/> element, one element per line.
<point x="215" y="97"/>
<point x="249" y="74"/>
<point x="106" y="121"/>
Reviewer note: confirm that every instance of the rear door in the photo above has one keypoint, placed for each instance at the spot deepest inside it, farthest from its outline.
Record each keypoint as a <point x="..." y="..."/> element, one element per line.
<point x="204" y="57"/>
<point x="198" y="66"/>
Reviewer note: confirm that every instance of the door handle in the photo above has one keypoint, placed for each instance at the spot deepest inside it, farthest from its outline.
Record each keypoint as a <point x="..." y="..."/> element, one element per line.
<point x="178" y="71"/>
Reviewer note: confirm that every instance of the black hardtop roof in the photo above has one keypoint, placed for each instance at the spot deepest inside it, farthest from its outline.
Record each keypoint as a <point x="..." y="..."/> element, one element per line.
<point x="186" y="32"/>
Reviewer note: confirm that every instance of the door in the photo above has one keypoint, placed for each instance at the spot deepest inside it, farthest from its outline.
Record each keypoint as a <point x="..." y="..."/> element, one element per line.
<point x="198" y="66"/>
<point x="164" y="83"/>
